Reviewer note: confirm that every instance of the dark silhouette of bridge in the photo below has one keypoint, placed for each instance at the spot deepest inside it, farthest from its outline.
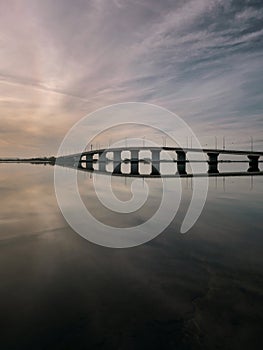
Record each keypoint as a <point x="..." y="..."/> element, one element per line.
<point x="86" y="160"/>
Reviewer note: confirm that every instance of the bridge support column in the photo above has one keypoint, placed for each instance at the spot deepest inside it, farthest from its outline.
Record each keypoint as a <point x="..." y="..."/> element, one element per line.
<point x="181" y="162"/>
<point x="155" y="162"/>
<point x="134" y="162"/>
<point x="117" y="162"/>
<point x="89" y="161"/>
<point x="253" y="163"/>
<point x="213" y="162"/>
<point x="102" y="161"/>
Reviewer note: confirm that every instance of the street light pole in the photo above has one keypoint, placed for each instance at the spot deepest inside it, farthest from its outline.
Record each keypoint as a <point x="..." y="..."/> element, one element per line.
<point x="215" y="142"/>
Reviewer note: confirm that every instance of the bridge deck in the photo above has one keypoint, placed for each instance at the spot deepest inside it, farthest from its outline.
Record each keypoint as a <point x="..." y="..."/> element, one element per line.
<point x="175" y="149"/>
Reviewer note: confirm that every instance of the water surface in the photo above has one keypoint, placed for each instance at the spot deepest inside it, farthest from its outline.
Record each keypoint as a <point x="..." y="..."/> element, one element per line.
<point x="201" y="290"/>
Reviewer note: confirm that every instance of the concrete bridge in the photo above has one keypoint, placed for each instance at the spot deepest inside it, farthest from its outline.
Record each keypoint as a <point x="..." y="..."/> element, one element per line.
<point x="86" y="160"/>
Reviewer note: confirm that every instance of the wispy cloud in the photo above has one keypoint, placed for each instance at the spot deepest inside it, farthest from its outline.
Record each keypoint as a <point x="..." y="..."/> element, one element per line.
<point x="61" y="60"/>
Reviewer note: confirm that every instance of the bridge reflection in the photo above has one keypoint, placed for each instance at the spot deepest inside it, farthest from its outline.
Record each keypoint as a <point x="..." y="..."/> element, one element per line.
<point x="155" y="173"/>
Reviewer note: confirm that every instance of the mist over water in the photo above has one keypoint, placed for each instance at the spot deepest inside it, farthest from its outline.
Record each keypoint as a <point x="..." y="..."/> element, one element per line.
<point x="200" y="290"/>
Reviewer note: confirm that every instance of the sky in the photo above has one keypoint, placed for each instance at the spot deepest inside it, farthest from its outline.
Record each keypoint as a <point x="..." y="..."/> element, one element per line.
<point x="60" y="60"/>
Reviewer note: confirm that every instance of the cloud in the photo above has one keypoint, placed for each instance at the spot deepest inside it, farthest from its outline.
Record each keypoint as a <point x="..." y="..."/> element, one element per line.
<point x="202" y="59"/>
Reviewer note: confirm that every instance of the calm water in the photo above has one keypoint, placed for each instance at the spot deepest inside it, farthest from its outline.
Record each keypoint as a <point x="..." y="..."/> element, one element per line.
<point x="201" y="290"/>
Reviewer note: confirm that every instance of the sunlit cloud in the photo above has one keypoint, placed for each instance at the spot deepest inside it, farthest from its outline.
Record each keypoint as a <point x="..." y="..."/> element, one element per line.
<point x="61" y="60"/>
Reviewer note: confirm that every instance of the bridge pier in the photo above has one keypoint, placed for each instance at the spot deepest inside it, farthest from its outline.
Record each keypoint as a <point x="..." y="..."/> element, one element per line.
<point x="181" y="162"/>
<point x="134" y="162"/>
<point x="155" y="162"/>
<point x="253" y="163"/>
<point x="102" y="161"/>
<point x="213" y="162"/>
<point x="89" y="161"/>
<point x="117" y="161"/>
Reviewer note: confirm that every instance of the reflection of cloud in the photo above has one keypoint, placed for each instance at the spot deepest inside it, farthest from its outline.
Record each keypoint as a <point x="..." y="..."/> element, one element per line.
<point x="27" y="201"/>
<point x="201" y="59"/>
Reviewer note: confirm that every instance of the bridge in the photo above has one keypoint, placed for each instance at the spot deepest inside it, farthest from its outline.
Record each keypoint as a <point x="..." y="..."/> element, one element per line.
<point x="86" y="160"/>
